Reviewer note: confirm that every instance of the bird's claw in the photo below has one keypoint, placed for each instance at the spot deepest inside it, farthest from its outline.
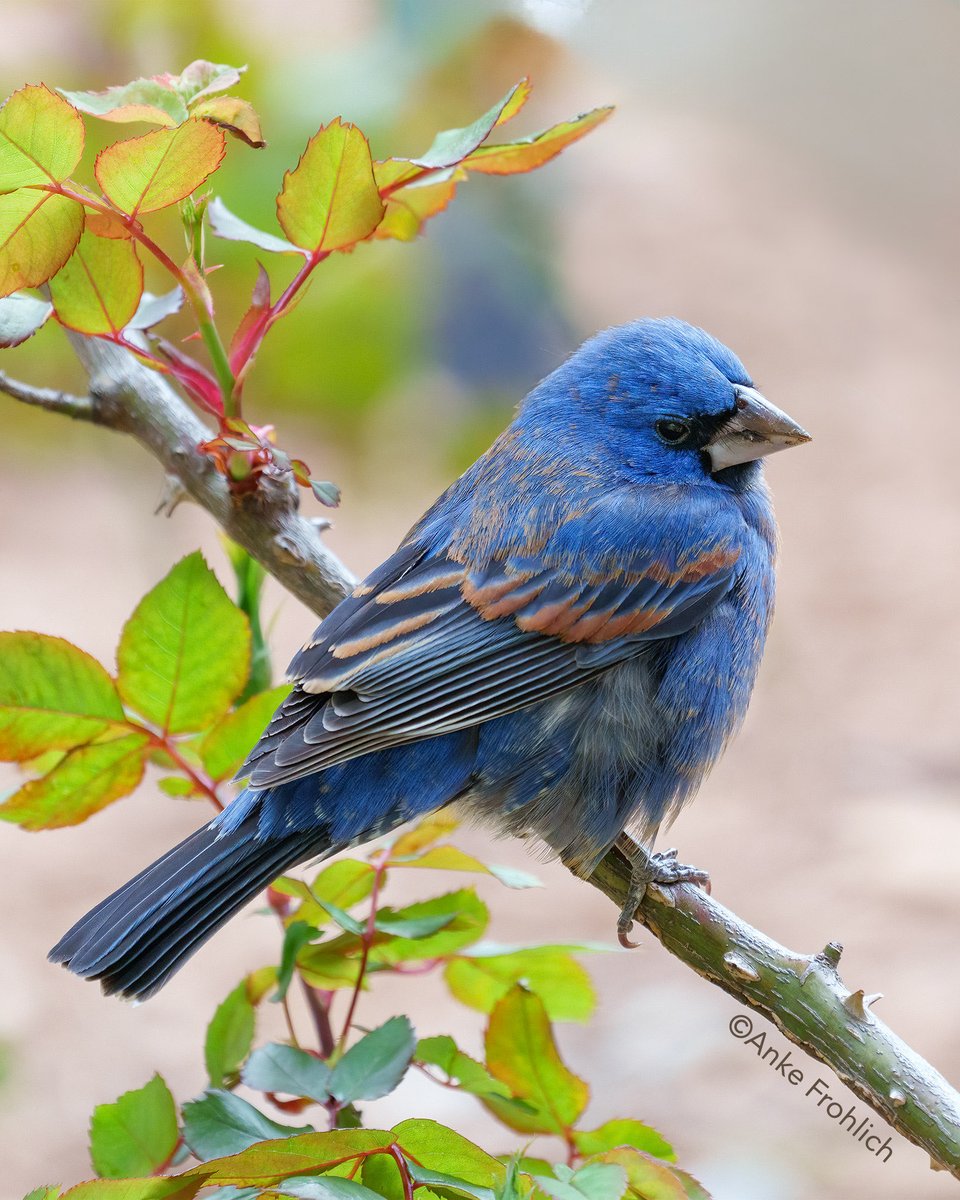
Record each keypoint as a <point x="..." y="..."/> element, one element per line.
<point x="661" y="869"/>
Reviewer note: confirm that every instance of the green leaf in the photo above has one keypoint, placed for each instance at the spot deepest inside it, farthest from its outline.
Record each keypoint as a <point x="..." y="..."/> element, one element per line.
<point x="184" y="655"/>
<point x="221" y="1123"/>
<point x="224" y="748"/>
<point x="38" y="233"/>
<point x="176" y="785"/>
<point x="20" y="318"/>
<point x="513" y="158"/>
<point x="391" y="922"/>
<point x="345" y="882"/>
<point x="481" y="979"/>
<point x="442" y="1153"/>
<point x="429" y="830"/>
<point x="448" y="1183"/>
<point x="233" y="115"/>
<point x="522" y="1054"/>
<point x="229" y="1037"/>
<point x="226" y="224"/>
<point x="375" y="1065"/>
<point x="468" y="919"/>
<point x="326" y="492"/>
<point x="452" y="145"/>
<point x="86" y="780"/>
<point x="330" y="200"/>
<point x="347" y="923"/>
<point x="141" y="100"/>
<point x="271" y="1162"/>
<point x="98" y="291"/>
<point x="137" y="1134"/>
<point x="329" y="969"/>
<point x="650" y="1178"/>
<point x="326" y="1187"/>
<point x="287" y="1069"/>
<point x="451" y="858"/>
<point x="154" y="309"/>
<point x="295" y="937"/>
<point x="622" y="1132"/>
<point x="41" y="138"/>
<point x="158" y="169"/>
<point x="594" y="1181"/>
<point x="177" y="1188"/>
<point x="53" y="696"/>
<point x="443" y="1052"/>
<point x="46" y="1192"/>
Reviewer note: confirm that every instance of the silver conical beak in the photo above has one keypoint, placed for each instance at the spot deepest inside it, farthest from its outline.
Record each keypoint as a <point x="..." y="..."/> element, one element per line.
<point x="758" y="429"/>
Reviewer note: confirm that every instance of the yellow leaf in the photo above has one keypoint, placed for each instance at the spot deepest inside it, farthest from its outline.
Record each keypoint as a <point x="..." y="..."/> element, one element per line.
<point x="330" y="199"/>
<point x="99" y="289"/>
<point x="147" y="173"/>
<point x="87" y="780"/>
<point x="41" y="138"/>
<point x="38" y="233"/>
<point x="236" y="116"/>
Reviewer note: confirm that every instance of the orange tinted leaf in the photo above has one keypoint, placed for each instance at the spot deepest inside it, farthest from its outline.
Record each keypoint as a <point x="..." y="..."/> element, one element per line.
<point x="98" y="290"/>
<point x="41" y="138"/>
<point x="408" y="207"/>
<point x="521" y="94"/>
<point x="524" y="155"/>
<point x="236" y="116"/>
<point x="107" y="224"/>
<point x="330" y="200"/>
<point x="88" y="779"/>
<point x="158" y="169"/>
<point x="38" y="233"/>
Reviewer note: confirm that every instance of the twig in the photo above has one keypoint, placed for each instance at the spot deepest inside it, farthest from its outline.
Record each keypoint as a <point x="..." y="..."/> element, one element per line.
<point x="81" y="408"/>
<point x="802" y="994"/>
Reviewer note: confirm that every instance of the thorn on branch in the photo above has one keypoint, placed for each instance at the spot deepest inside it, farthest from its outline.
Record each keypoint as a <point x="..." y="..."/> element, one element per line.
<point x="172" y="495"/>
<point x="738" y="966"/>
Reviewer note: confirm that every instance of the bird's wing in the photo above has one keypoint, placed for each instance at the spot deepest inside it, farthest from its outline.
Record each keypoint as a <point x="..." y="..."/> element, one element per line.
<point x="435" y="641"/>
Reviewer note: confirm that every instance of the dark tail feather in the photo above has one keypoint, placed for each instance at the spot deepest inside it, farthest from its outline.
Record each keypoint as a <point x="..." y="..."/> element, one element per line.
<point x="137" y="938"/>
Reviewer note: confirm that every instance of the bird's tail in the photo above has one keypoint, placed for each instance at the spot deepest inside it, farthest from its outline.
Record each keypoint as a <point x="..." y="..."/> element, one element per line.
<point x="137" y="938"/>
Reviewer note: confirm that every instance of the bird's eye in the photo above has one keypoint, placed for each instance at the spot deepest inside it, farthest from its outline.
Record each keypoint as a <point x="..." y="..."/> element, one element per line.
<point x="672" y="432"/>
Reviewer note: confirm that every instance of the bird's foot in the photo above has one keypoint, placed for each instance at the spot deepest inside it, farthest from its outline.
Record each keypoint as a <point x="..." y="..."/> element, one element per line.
<point x="645" y="868"/>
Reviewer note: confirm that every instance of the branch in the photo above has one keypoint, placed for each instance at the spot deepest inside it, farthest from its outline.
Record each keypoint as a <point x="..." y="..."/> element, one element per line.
<point x="806" y="999"/>
<point x="81" y="408"/>
<point x="130" y="398"/>
<point x="803" y="995"/>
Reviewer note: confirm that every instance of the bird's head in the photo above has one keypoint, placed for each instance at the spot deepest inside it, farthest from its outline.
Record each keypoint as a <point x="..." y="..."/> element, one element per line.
<point x="673" y="400"/>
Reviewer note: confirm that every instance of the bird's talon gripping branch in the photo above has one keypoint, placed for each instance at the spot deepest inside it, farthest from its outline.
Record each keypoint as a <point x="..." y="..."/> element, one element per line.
<point x="660" y="868"/>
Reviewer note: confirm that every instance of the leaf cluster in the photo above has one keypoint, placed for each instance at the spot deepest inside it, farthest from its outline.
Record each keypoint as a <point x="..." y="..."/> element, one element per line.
<point x="85" y="249"/>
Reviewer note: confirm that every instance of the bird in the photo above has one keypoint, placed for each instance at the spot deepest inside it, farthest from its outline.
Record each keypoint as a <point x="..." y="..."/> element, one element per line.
<point x="563" y="645"/>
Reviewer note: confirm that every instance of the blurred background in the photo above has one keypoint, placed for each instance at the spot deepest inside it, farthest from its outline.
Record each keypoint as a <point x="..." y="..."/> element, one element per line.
<point x="785" y="175"/>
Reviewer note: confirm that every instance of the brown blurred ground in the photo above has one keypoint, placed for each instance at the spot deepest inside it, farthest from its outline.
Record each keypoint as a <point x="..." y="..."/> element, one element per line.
<point x="786" y="176"/>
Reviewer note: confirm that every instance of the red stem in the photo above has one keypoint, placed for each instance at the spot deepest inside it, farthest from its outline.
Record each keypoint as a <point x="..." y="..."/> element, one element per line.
<point x="397" y="1155"/>
<point x="366" y="941"/>
<point x="198" y="778"/>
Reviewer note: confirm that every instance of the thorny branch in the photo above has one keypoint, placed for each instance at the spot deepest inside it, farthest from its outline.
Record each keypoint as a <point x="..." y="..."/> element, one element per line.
<point x="803" y="995"/>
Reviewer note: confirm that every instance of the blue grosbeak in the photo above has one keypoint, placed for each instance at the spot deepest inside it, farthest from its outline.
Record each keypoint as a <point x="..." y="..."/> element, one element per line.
<point x="565" y="641"/>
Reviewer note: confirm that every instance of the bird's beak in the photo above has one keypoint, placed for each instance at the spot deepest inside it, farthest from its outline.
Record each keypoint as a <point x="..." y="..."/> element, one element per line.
<point x="757" y="429"/>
